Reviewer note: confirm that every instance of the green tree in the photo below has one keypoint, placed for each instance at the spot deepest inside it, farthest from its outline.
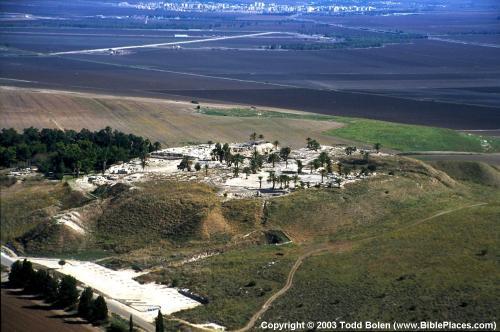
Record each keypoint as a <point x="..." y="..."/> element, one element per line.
<point x="276" y="144"/>
<point x="36" y="282"/>
<point x="300" y="166"/>
<point x="67" y="294"/>
<point x="349" y="150"/>
<point x="247" y="171"/>
<point x="323" y="172"/>
<point x="27" y="272"/>
<point x="15" y="274"/>
<point x="159" y="322"/>
<point x="272" y="178"/>
<point x="99" y="310"/>
<point x="85" y="303"/>
<point x="238" y="159"/>
<point x="156" y="146"/>
<point x="273" y="158"/>
<point x="51" y="289"/>
<point x="285" y="153"/>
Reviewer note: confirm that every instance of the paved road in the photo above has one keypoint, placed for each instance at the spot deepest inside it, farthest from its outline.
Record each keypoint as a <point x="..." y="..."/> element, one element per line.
<point x="98" y="50"/>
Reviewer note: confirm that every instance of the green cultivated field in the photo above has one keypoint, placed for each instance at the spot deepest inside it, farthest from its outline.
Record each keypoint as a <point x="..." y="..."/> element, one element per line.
<point x="414" y="138"/>
<point x="391" y="135"/>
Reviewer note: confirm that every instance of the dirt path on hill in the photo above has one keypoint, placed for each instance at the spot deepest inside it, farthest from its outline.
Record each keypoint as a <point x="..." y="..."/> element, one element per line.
<point x="332" y="247"/>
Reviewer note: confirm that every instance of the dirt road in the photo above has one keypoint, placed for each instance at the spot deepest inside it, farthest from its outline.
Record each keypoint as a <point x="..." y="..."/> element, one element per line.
<point x="332" y="247"/>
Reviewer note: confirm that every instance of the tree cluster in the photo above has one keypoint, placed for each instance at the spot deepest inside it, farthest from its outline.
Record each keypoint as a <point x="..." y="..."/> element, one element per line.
<point x="63" y="293"/>
<point x="93" y="310"/>
<point x="59" y="152"/>
<point x="312" y="144"/>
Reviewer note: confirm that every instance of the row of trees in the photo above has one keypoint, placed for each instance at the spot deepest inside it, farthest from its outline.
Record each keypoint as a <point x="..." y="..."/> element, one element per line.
<point x="62" y="293"/>
<point x="61" y="152"/>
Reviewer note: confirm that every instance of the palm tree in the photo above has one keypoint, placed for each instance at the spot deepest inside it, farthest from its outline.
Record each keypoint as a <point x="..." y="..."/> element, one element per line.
<point x="260" y="181"/>
<point x="284" y="153"/>
<point x="323" y="173"/>
<point x="308" y="140"/>
<point x="247" y="171"/>
<point x="316" y="164"/>
<point x="311" y="166"/>
<point x="238" y="159"/>
<point x="299" y="166"/>
<point x="144" y="159"/>
<point x="324" y="158"/>
<point x="273" y="158"/>
<point x="272" y="178"/>
<point x="276" y="143"/>
<point x="285" y="179"/>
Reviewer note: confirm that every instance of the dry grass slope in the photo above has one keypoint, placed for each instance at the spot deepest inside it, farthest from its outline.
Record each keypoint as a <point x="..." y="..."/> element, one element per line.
<point x="170" y="122"/>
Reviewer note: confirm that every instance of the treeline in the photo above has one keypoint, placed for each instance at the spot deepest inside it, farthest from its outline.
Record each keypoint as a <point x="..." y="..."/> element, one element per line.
<point x="57" y="152"/>
<point x="348" y="42"/>
<point x="61" y="293"/>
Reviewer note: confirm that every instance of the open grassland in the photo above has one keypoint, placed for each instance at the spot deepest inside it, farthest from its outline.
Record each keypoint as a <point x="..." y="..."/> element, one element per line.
<point x="391" y="135"/>
<point x="236" y="283"/>
<point x="443" y="269"/>
<point x="170" y="122"/>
